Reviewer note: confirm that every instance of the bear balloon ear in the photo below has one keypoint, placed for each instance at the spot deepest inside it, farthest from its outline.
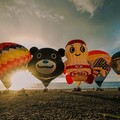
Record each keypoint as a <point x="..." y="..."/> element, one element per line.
<point x="33" y="50"/>
<point x="61" y="52"/>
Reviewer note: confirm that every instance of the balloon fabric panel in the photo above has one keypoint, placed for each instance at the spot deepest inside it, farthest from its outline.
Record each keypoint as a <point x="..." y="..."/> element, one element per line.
<point x="46" y="64"/>
<point x="12" y="57"/>
<point x="116" y="63"/>
<point x="76" y="66"/>
<point x="101" y="63"/>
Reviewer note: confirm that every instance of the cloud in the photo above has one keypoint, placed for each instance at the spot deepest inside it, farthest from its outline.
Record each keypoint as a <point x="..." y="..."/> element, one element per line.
<point x="115" y="47"/>
<point x="49" y="15"/>
<point x="89" y="6"/>
<point x="116" y="44"/>
<point x="23" y="8"/>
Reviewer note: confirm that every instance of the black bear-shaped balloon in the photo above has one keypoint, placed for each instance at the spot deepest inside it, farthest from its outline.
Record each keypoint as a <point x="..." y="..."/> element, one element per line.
<point x="46" y="64"/>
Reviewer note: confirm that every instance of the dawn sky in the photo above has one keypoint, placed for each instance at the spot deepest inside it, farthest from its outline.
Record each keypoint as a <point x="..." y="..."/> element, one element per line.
<point x="52" y="23"/>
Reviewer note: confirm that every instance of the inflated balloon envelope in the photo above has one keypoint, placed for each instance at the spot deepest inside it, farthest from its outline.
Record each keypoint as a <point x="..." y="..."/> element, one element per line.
<point x="13" y="57"/>
<point x="77" y="68"/>
<point x="101" y="63"/>
<point x="46" y="64"/>
<point x="116" y="63"/>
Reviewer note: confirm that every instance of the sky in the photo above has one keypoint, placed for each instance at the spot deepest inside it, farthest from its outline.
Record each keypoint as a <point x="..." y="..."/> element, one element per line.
<point x="52" y="23"/>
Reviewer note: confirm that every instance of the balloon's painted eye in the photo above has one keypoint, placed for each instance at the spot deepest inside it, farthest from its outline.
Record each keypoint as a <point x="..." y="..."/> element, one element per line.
<point x="39" y="55"/>
<point x="54" y="56"/>
<point x="82" y="49"/>
<point x="72" y="49"/>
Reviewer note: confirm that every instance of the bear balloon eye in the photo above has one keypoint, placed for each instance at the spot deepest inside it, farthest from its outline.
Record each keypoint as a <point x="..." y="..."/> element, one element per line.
<point x="53" y="55"/>
<point x="72" y="49"/>
<point x="82" y="49"/>
<point x="39" y="55"/>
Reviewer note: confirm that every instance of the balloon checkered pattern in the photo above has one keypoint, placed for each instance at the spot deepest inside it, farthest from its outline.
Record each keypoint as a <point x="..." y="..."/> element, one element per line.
<point x="13" y="57"/>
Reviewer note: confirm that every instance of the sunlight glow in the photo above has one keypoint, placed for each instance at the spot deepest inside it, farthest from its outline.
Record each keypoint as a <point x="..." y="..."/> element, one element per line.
<point x="22" y="79"/>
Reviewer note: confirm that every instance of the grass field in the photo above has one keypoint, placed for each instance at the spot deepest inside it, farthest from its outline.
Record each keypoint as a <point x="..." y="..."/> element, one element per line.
<point x="59" y="105"/>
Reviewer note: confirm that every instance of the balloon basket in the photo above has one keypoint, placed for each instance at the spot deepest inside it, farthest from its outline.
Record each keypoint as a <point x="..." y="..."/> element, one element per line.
<point x="78" y="89"/>
<point x="45" y="90"/>
<point x="99" y="89"/>
<point x="22" y="92"/>
<point x="7" y="91"/>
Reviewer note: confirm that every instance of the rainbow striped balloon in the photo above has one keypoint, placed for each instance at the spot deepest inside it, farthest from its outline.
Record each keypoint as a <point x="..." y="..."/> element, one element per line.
<point x="13" y="57"/>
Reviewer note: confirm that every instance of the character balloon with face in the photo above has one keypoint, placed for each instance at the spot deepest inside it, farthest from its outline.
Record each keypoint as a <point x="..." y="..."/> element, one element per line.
<point x="77" y="67"/>
<point x="46" y="64"/>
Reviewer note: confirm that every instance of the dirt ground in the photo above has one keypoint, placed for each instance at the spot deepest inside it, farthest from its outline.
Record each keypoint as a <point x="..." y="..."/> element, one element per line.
<point x="59" y="105"/>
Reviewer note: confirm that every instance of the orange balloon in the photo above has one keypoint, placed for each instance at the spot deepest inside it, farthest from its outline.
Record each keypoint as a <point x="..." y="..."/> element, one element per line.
<point x="100" y="61"/>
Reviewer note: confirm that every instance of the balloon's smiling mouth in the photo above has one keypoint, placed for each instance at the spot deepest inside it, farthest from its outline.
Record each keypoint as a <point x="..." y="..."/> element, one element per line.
<point x="45" y="66"/>
<point x="77" y="54"/>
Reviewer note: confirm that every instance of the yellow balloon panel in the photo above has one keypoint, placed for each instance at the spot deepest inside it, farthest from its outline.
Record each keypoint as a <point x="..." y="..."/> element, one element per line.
<point x="76" y="66"/>
<point x="12" y="57"/>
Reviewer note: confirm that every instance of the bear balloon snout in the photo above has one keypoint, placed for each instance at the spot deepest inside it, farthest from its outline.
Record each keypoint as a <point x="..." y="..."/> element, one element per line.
<point x="45" y="61"/>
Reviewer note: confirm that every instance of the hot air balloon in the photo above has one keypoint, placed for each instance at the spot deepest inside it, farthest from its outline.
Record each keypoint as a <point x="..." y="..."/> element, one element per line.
<point x="100" y="61"/>
<point x="13" y="57"/>
<point x="115" y="64"/>
<point x="77" y="68"/>
<point x="46" y="64"/>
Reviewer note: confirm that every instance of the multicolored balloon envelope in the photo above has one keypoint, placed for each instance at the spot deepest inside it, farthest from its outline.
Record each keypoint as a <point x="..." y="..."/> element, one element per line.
<point x="46" y="64"/>
<point x="100" y="61"/>
<point x="77" y="68"/>
<point x="13" y="57"/>
<point x="116" y="62"/>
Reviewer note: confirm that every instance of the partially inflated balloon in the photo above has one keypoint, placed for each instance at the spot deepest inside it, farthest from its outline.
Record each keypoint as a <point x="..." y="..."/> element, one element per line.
<point x="116" y="62"/>
<point x="77" y="68"/>
<point x="100" y="61"/>
<point x="46" y="64"/>
<point x="12" y="58"/>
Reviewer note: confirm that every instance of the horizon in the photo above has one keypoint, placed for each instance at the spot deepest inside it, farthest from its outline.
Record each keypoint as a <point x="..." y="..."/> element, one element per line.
<point x="63" y="85"/>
